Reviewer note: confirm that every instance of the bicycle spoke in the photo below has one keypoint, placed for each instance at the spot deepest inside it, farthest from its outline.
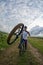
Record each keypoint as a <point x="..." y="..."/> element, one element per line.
<point x="15" y="33"/>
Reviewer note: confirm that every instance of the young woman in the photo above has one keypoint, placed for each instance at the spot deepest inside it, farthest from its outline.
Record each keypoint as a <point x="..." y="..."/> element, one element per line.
<point x="24" y="36"/>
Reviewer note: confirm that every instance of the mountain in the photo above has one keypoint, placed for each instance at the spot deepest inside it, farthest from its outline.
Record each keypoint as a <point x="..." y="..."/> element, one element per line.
<point x="37" y="31"/>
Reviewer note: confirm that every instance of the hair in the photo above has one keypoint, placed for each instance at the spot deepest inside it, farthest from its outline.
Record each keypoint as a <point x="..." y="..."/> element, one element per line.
<point x="25" y="26"/>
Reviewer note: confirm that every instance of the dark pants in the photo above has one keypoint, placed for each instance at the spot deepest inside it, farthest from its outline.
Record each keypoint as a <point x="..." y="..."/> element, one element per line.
<point x="25" y="42"/>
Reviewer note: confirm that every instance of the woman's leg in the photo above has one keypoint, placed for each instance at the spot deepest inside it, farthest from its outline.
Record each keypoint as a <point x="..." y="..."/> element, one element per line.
<point x="25" y="44"/>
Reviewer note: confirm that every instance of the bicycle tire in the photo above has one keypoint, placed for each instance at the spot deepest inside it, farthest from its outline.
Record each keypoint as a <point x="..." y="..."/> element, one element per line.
<point x="12" y="32"/>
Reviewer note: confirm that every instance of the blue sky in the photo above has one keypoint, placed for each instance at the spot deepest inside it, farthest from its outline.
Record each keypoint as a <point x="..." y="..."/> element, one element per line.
<point x="12" y="12"/>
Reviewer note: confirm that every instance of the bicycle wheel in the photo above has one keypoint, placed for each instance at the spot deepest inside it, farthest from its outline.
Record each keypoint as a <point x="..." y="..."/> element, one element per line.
<point x="16" y="31"/>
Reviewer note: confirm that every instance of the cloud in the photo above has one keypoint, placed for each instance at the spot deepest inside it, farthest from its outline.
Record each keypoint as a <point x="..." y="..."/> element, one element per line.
<point x="13" y="12"/>
<point x="3" y="28"/>
<point x="37" y="31"/>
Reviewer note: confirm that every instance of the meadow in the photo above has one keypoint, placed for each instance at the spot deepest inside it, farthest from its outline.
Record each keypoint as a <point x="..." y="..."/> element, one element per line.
<point x="9" y="54"/>
<point x="37" y="42"/>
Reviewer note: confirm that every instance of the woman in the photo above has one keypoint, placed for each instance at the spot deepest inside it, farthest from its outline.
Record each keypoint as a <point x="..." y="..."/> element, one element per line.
<point x="24" y="37"/>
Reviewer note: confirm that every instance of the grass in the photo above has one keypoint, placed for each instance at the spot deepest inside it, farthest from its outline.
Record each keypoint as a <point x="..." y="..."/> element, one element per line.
<point x="3" y="40"/>
<point x="25" y="59"/>
<point x="37" y="43"/>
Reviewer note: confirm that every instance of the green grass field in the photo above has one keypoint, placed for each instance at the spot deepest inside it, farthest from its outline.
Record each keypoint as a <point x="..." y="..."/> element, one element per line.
<point x="37" y="43"/>
<point x="3" y="40"/>
<point x="14" y="58"/>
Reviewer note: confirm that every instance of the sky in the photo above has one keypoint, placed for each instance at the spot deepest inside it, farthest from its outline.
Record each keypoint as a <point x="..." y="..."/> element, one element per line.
<point x="28" y="12"/>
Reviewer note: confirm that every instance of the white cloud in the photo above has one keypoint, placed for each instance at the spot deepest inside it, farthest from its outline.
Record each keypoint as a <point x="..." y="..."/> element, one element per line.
<point x="38" y="21"/>
<point x="13" y="12"/>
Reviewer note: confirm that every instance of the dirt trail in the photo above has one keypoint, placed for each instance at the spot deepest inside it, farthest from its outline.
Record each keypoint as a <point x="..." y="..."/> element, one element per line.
<point x="36" y="54"/>
<point x="11" y="55"/>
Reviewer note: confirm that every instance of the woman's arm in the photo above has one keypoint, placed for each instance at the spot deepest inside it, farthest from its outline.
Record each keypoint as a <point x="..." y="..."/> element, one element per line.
<point x="28" y="33"/>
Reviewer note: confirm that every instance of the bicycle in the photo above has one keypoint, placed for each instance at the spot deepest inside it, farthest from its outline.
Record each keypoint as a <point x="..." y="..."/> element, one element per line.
<point x="13" y="36"/>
